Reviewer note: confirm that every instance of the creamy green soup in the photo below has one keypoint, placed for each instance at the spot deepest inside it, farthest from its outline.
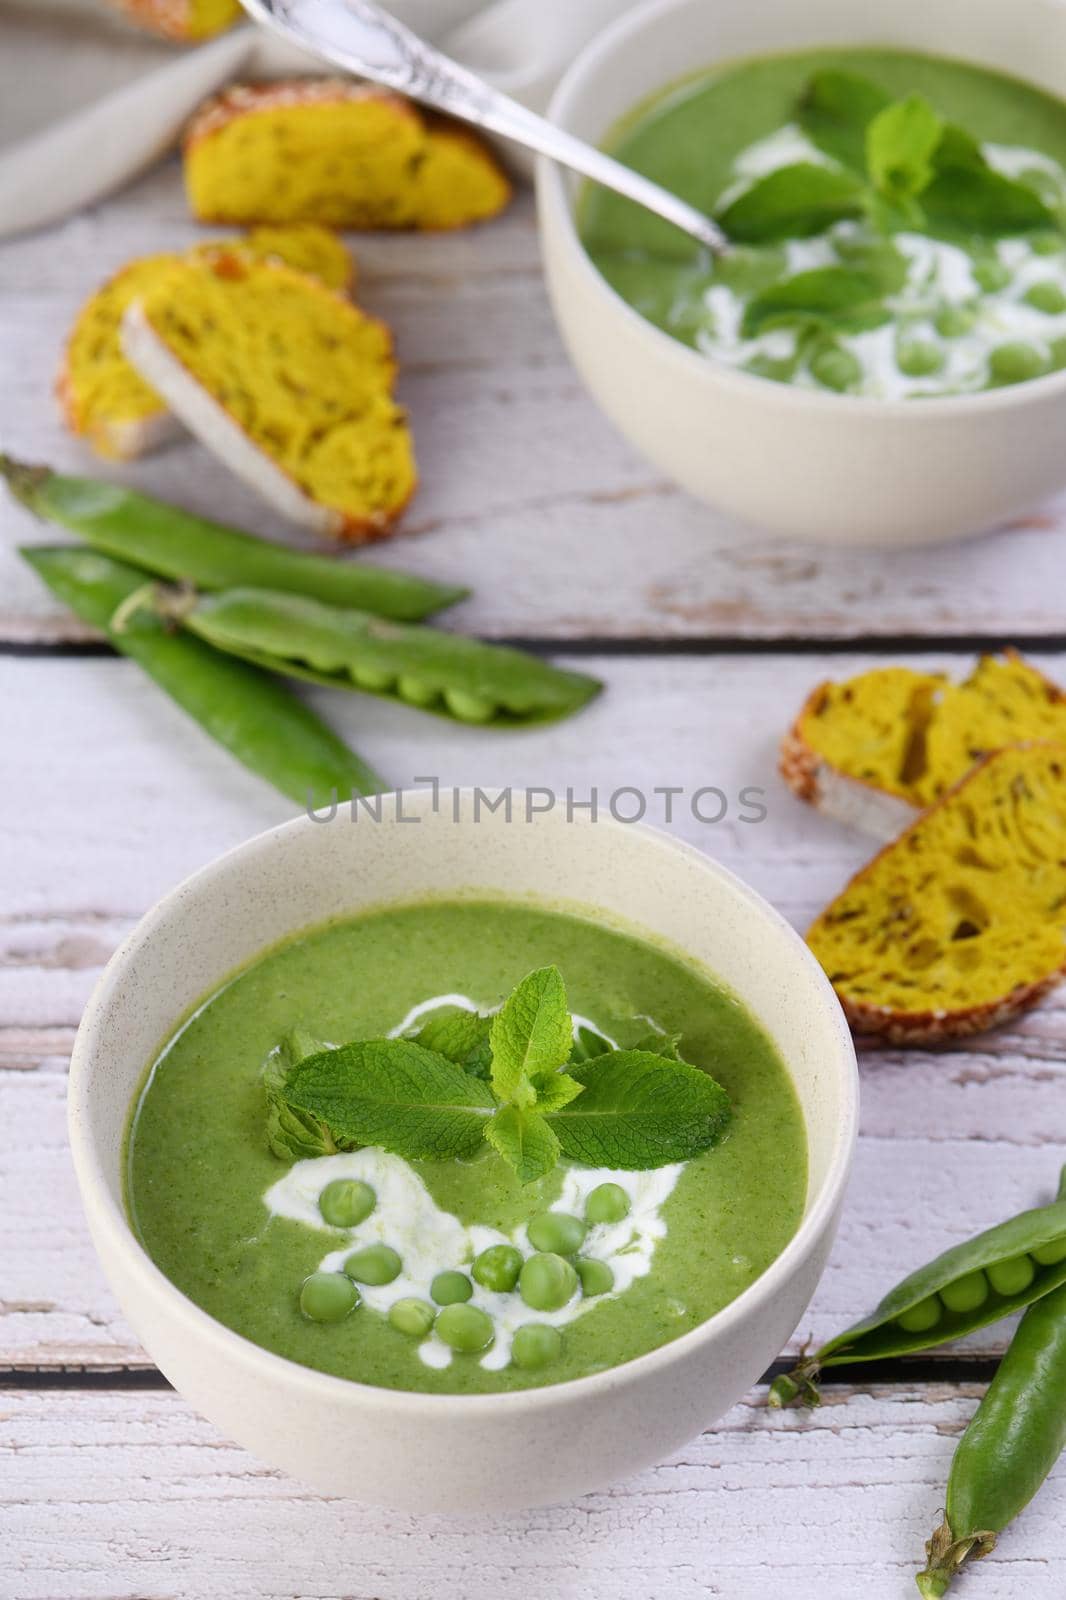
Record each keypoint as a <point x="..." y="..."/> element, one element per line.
<point x="239" y="1231"/>
<point x="926" y="256"/>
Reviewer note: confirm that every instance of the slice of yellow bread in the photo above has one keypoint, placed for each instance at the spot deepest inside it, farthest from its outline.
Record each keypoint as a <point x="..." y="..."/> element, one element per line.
<point x="103" y="397"/>
<point x="961" y="922"/>
<point x="872" y="750"/>
<point x="286" y="382"/>
<point x="327" y="150"/>
<point x="185" y="20"/>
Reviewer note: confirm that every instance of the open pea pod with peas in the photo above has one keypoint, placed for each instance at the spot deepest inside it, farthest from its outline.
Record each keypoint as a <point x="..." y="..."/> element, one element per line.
<point x="1002" y="1270"/>
<point x="451" y="675"/>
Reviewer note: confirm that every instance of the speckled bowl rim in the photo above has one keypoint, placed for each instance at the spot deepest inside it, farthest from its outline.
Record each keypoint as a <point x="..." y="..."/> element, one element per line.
<point x="555" y="206"/>
<point x="107" y="1215"/>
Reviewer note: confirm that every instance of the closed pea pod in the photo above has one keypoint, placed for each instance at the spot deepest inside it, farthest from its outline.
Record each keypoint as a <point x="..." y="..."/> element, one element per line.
<point x="965" y="1288"/>
<point x="251" y="714"/>
<point x="456" y="677"/>
<point x="172" y="543"/>
<point x="1014" y="1439"/>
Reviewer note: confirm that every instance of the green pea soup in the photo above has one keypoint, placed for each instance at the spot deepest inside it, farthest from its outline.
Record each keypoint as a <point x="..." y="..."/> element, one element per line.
<point x="242" y="1233"/>
<point x="951" y="308"/>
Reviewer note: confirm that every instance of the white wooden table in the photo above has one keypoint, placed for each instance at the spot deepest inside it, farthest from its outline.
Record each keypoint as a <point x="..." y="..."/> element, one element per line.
<point x="707" y="636"/>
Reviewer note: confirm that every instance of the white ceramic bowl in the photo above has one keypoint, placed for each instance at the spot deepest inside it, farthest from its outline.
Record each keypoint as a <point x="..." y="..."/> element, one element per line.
<point x="435" y="1452"/>
<point x="830" y="468"/>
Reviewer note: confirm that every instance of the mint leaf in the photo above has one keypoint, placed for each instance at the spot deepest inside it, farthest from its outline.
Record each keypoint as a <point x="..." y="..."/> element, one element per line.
<point x="834" y="112"/>
<point x="556" y="1089"/>
<point x="462" y="1036"/>
<point x="957" y="148"/>
<point x="639" y="1111"/>
<point x="293" y="1135"/>
<point x="793" y="203"/>
<point x="819" y="294"/>
<point x="901" y="142"/>
<point x="974" y="199"/>
<point x="531" y="1037"/>
<point x="525" y="1141"/>
<point x="394" y="1094"/>
<point x="657" y="1043"/>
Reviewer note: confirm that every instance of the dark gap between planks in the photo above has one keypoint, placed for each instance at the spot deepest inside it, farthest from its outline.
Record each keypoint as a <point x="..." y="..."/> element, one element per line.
<point x="920" y="1370"/>
<point x="704" y="645"/>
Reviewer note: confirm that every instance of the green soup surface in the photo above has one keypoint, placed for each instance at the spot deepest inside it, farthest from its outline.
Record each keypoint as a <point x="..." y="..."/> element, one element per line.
<point x="669" y="1247"/>
<point x="942" y="279"/>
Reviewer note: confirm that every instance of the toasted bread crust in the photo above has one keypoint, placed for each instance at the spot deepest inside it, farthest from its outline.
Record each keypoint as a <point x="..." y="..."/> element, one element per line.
<point x="855" y="801"/>
<point x="223" y="433"/>
<point x="244" y="99"/>
<point x="934" y="1027"/>
<point x="172" y="19"/>
<point x="430" y="137"/>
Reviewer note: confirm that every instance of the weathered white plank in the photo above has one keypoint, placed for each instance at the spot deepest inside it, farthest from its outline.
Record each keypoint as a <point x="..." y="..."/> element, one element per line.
<point x="527" y="492"/>
<point x="110" y="1496"/>
<point x="119" y="794"/>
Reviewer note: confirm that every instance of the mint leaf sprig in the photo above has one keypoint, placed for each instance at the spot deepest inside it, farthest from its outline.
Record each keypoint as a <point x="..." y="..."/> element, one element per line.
<point x="895" y="161"/>
<point x="432" y="1098"/>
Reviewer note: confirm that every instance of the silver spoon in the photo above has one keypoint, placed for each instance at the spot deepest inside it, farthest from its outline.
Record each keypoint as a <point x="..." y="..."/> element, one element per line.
<point x="364" y="39"/>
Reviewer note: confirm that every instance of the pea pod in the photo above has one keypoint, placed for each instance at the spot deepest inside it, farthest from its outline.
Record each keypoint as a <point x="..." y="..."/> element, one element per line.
<point x="1000" y="1271"/>
<point x="1014" y="1439"/>
<point x="252" y="715"/>
<point x="453" y="676"/>
<point x="171" y="543"/>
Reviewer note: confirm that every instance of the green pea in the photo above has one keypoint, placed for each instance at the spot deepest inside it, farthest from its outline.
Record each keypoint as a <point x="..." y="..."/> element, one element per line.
<point x="415" y="1317"/>
<point x="328" y="1297"/>
<point x="556" y="1232"/>
<point x="1013" y="1276"/>
<point x="954" y="321"/>
<point x="465" y="1328"/>
<point x="1015" y="363"/>
<point x="497" y="1268"/>
<point x="468" y="707"/>
<point x="416" y="692"/>
<point x="1058" y="354"/>
<point x="919" y="358"/>
<point x="346" y="1202"/>
<point x="374" y="680"/>
<point x="836" y="368"/>
<point x="608" y="1202"/>
<point x="922" y="1317"/>
<point x="966" y="1293"/>
<point x="596" y="1276"/>
<point x="1047" y="244"/>
<point x="376" y="1264"/>
<point x="451" y="1288"/>
<point x="546" y="1282"/>
<point x="535" y="1344"/>
<point x="1047" y="297"/>
<point x="991" y="275"/>
<point x="779" y="369"/>
<point x="1049" y="1255"/>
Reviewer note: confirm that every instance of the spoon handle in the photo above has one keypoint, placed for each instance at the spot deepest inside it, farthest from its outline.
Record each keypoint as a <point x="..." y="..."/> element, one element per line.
<point x="368" y="41"/>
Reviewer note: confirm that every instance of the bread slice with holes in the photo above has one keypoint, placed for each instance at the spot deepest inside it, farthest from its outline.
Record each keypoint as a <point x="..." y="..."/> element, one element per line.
<point x="331" y="151"/>
<point x="874" y="750"/>
<point x="960" y="923"/>
<point x="286" y="382"/>
<point x="102" y="397"/>
<point x="185" y="20"/>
